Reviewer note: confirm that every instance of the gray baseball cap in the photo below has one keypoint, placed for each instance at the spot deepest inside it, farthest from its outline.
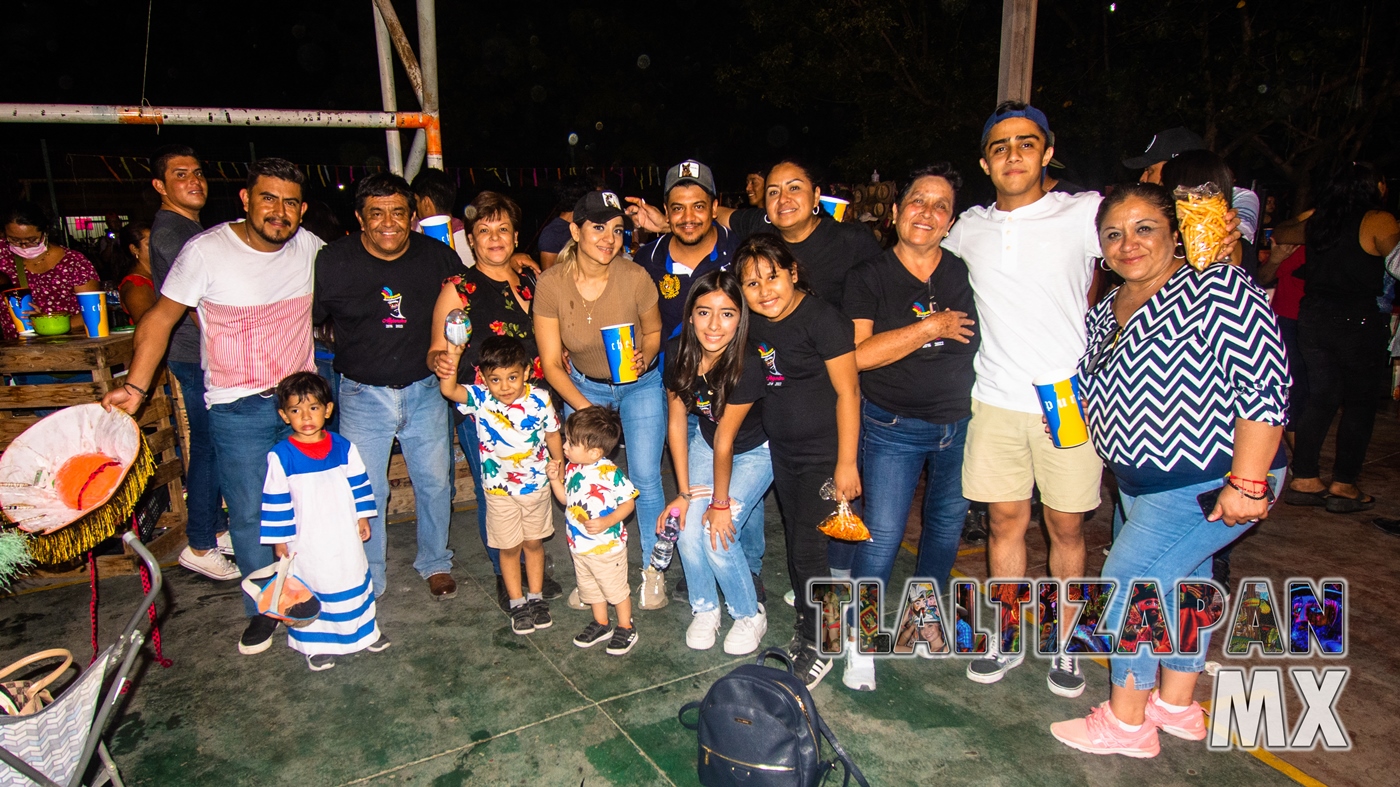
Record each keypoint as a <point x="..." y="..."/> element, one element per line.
<point x="690" y="171"/>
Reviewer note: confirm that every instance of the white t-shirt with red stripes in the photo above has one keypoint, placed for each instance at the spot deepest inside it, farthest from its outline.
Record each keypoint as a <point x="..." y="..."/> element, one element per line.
<point x="254" y="309"/>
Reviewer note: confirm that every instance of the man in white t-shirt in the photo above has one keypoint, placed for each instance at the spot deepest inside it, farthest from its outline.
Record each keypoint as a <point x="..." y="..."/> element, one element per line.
<point x="1030" y="257"/>
<point x="251" y="282"/>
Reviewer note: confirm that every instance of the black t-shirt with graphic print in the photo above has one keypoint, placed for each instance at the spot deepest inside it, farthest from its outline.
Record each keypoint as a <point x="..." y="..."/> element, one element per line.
<point x="933" y="383"/>
<point x="383" y="309"/>
<point x="799" y="413"/>
<point x="826" y="256"/>
<point x="753" y="385"/>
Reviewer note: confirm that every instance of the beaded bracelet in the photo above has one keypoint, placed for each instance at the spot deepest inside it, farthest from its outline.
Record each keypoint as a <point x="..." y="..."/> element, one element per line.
<point x="721" y="505"/>
<point x="137" y="388"/>
<point x="1231" y="481"/>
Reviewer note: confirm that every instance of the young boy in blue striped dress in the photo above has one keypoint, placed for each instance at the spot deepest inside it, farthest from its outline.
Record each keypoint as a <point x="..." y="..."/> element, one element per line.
<point x="315" y="505"/>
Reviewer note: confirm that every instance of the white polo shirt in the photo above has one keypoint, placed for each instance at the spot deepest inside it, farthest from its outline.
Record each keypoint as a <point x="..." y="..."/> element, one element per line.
<point x="1031" y="269"/>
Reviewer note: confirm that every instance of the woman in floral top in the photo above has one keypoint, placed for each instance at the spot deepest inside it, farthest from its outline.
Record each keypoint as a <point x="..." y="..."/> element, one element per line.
<point x="55" y="274"/>
<point x="498" y="301"/>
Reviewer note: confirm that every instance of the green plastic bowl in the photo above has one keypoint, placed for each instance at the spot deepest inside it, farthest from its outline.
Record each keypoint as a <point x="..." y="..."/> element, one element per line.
<point x="51" y="324"/>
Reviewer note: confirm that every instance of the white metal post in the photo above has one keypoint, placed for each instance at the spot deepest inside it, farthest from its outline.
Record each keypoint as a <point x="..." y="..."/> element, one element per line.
<point x="386" y="88"/>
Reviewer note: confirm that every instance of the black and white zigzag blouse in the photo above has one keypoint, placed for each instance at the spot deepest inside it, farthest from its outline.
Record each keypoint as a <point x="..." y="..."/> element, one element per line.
<point x="1203" y="351"/>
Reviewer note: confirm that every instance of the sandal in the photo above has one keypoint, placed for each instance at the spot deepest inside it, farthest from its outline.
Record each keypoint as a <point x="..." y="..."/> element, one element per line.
<point x="1337" y="504"/>
<point x="1293" y="497"/>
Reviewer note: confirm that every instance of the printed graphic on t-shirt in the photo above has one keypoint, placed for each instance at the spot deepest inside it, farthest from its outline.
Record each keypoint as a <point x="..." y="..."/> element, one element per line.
<point x="922" y="312"/>
<point x="594" y="491"/>
<point x="513" y="450"/>
<point x="703" y="404"/>
<point x="394" y="301"/>
<point x="670" y="286"/>
<point x="770" y="359"/>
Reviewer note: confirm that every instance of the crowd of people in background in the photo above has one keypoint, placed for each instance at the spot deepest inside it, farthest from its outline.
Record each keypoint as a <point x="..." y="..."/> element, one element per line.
<point x="775" y="348"/>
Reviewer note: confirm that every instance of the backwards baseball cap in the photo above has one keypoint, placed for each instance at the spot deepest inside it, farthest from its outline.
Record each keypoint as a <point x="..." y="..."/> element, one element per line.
<point x="1009" y="110"/>
<point x="1165" y="146"/>
<point x="598" y="207"/>
<point x="690" y="171"/>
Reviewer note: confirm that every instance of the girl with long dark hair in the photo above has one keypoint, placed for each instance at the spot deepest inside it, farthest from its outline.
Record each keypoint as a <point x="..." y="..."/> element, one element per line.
<point x="723" y="470"/>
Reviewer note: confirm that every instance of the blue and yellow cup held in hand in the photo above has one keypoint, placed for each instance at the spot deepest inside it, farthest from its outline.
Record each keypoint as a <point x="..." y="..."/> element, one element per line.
<point x="439" y="227"/>
<point x="1058" y="392"/>
<point x="620" y="342"/>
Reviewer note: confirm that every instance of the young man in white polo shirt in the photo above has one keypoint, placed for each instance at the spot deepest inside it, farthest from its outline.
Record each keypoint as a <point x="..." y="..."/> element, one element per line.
<point x="1031" y="258"/>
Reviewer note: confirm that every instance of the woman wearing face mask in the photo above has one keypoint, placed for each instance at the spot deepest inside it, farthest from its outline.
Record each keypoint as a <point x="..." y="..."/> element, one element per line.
<point x="592" y="286"/>
<point x="53" y="273"/>
<point x="722" y="473"/>
<point x="138" y="290"/>
<point x="811" y="414"/>
<point x="826" y="248"/>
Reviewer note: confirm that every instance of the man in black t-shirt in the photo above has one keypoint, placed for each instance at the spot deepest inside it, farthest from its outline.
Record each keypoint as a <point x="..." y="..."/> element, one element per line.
<point x="694" y="245"/>
<point x="380" y="286"/>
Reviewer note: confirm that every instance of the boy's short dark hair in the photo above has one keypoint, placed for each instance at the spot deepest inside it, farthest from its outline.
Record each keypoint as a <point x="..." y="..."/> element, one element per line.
<point x="301" y="385"/>
<point x="595" y="427"/>
<point x="436" y="186"/>
<point x="502" y="352"/>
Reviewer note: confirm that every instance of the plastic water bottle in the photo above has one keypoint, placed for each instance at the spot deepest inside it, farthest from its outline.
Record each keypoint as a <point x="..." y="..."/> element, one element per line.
<point x="459" y="327"/>
<point x="665" y="548"/>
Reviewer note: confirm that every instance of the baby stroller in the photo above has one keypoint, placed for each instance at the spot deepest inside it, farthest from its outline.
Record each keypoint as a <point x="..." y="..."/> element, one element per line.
<point x="55" y="746"/>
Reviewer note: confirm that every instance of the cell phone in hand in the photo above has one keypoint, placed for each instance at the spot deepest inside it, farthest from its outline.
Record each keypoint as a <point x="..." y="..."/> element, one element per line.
<point x="1209" y="499"/>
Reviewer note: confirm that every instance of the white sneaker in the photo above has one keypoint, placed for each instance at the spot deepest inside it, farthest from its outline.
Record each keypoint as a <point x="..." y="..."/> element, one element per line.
<point x="224" y="544"/>
<point x="703" y="628"/>
<point x="746" y="633"/>
<point x="860" y="669"/>
<point x="211" y="564"/>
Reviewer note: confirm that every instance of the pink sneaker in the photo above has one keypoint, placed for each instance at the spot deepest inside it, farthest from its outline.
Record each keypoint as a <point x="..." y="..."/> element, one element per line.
<point x="1189" y="724"/>
<point x="1100" y="733"/>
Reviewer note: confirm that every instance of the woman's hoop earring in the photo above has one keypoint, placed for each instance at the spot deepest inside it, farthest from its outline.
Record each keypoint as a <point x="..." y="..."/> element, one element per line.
<point x="765" y="218"/>
<point x="1181" y="248"/>
<point x="1103" y="265"/>
<point x="816" y="210"/>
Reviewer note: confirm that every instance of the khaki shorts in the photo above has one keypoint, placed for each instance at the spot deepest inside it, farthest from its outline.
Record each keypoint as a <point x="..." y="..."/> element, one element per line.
<point x="602" y="577"/>
<point x="1008" y="452"/>
<point x="514" y="519"/>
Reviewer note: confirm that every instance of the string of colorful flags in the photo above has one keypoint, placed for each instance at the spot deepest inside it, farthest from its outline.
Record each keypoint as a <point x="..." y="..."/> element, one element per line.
<point x="329" y="175"/>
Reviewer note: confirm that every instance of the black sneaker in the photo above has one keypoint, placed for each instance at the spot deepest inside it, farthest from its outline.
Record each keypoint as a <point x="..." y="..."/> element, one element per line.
<point x="680" y="592"/>
<point x="759" y="590"/>
<point x="258" y="636"/>
<point x="622" y="640"/>
<point x="539" y="613"/>
<point x="521" y="621"/>
<point x="380" y="645"/>
<point x="320" y="662"/>
<point x="592" y="634"/>
<point x="810" y="666"/>
<point x="1065" y="678"/>
<point x="502" y="595"/>
<point x="1390" y="527"/>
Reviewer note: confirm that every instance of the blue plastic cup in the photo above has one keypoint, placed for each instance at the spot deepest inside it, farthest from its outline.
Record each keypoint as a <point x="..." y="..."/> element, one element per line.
<point x="620" y="344"/>
<point x="439" y="227"/>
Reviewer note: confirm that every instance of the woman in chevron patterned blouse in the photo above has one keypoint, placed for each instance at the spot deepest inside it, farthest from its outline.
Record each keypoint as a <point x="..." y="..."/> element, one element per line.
<point x="1185" y="383"/>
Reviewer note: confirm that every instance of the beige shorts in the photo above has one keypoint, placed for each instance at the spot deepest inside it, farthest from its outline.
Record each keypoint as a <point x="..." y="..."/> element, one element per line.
<point x="602" y="577"/>
<point x="1008" y="451"/>
<point x="513" y="519"/>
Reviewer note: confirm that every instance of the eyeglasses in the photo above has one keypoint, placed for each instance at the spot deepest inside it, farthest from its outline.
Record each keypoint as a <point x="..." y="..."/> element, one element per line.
<point x="1104" y="352"/>
<point x="25" y="244"/>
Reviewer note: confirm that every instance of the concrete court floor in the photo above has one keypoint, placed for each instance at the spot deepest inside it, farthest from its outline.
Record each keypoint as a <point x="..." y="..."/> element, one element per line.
<point x="460" y="700"/>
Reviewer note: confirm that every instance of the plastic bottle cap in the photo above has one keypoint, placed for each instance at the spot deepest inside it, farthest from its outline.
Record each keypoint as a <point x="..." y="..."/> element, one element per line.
<point x="675" y="512"/>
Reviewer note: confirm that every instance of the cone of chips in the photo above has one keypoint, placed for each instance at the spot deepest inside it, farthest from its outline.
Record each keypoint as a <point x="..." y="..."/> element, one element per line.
<point x="1200" y="212"/>
<point x="843" y="524"/>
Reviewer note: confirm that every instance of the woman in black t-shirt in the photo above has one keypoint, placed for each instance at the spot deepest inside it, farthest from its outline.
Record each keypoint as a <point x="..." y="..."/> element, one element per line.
<point x="498" y="301"/>
<point x="712" y="372"/>
<point x="811" y="415"/>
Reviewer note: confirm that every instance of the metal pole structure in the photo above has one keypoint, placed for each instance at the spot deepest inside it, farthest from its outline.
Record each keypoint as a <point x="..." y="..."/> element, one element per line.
<point x="53" y="194"/>
<point x="1017" y="50"/>
<point x="417" y="152"/>
<point x="100" y="114"/>
<point x="427" y="58"/>
<point x="386" y="88"/>
<point x="401" y="45"/>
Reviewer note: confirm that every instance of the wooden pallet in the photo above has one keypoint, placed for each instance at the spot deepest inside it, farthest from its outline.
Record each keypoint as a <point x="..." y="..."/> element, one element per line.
<point x="106" y="359"/>
<point x="401" y="499"/>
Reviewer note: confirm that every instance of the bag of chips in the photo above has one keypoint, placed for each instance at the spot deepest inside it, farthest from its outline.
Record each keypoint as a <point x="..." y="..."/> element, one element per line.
<point x="1200" y="212"/>
<point x="843" y="524"/>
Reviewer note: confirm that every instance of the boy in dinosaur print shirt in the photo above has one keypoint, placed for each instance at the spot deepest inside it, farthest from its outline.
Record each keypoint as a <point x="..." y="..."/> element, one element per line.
<point x="597" y="497"/>
<point x="519" y="435"/>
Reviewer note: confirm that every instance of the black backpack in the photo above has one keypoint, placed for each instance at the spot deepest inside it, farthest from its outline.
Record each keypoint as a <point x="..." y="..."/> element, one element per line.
<point x="758" y="726"/>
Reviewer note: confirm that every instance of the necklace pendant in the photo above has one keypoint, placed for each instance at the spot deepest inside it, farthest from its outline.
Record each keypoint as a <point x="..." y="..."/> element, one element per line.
<point x="590" y="319"/>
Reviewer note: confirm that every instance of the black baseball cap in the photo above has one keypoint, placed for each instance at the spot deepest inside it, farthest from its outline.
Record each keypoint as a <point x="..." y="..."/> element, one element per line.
<point x="690" y="171"/>
<point x="598" y="207"/>
<point x="1165" y="146"/>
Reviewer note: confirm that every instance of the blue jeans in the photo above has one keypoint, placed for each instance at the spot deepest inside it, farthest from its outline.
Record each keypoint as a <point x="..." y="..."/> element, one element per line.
<point x="371" y="417"/>
<point x="245" y="431"/>
<point x="471" y="446"/>
<point x="642" y="405"/>
<point x="206" y="511"/>
<point x="751" y="537"/>
<point x="705" y="565"/>
<point x="1165" y="538"/>
<point x="894" y="452"/>
<point x="325" y="366"/>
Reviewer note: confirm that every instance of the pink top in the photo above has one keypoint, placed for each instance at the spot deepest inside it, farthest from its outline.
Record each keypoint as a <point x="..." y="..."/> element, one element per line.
<point x="53" y="290"/>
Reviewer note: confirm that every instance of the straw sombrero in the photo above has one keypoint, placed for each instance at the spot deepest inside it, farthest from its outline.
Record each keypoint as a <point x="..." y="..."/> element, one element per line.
<point x="72" y="479"/>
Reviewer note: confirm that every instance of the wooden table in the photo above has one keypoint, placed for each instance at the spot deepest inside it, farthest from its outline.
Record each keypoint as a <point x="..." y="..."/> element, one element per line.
<point x="105" y="359"/>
